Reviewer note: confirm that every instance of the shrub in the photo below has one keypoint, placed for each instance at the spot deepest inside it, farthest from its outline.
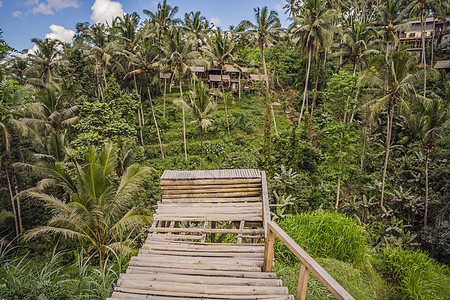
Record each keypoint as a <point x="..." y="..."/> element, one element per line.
<point x="417" y="275"/>
<point x="325" y="234"/>
<point x="363" y="284"/>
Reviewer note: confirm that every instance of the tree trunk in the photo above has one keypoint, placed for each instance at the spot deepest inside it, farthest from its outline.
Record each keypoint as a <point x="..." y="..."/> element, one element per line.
<point x="184" y="121"/>
<point x="432" y="40"/>
<point x="274" y="121"/>
<point x="164" y="99"/>
<point x="239" y="86"/>
<point x="362" y="151"/>
<point x="261" y="49"/>
<point x="224" y="99"/>
<point x="201" y="147"/>
<point x="12" y="200"/>
<point x="426" y="190"/>
<point x="16" y="188"/>
<point x="139" y="109"/>
<point x="305" y="93"/>
<point x="424" y="59"/>
<point x="154" y="119"/>
<point x="338" y="193"/>
<point x="388" y="143"/>
<point x="314" y="99"/>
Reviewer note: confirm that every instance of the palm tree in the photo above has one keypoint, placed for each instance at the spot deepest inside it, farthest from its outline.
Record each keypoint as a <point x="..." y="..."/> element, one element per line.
<point x="196" y="26"/>
<point x="266" y="29"/>
<point x="356" y="44"/>
<point x="10" y="94"/>
<point x="178" y="54"/>
<point x="314" y="30"/>
<point x="426" y="120"/>
<point x="200" y="104"/>
<point x="146" y="61"/>
<point x="391" y="18"/>
<point x="219" y="49"/>
<point x="391" y="80"/>
<point x="163" y="18"/>
<point x="44" y="60"/>
<point x="98" y="208"/>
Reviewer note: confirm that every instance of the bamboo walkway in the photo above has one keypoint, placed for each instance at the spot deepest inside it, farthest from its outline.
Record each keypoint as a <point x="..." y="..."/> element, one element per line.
<point x="206" y="241"/>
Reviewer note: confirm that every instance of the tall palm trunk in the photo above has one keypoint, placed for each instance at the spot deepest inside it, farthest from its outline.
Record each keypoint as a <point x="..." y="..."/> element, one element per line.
<point x="388" y="144"/>
<point x="154" y="118"/>
<point x="305" y="92"/>
<point x="261" y="49"/>
<point x="224" y="99"/>
<point x="184" y="121"/>
<point x="426" y="190"/>
<point x="314" y="99"/>
<point x="164" y="99"/>
<point x="140" y="114"/>
<point x="432" y="40"/>
<point x="16" y="188"/>
<point x="201" y="147"/>
<point x="424" y="59"/>
<point x="12" y="200"/>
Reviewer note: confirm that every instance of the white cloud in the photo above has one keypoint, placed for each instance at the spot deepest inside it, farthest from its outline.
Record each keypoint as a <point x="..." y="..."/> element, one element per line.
<point x="1" y="3"/>
<point x="216" y="21"/>
<point x="105" y="10"/>
<point x="52" y="6"/>
<point x="17" y="14"/>
<point x="60" y="33"/>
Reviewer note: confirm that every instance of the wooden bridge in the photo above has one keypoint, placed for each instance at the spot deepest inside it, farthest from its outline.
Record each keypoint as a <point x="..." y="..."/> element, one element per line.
<point x="212" y="238"/>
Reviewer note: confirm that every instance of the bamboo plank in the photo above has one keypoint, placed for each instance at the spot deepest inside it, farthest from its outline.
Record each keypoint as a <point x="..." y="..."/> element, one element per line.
<point x="197" y="260"/>
<point x="201" y="279"/>
<point x="201" y="289"/>
<point x="199" y="266"/>
<point x="251" y="255"/>
<point x="210" y="185"/>
<point x="217" y="195"/>
<point x="182" y="205"/>
<point x="211" y="200"/>
<point x="231" y="217"/>
<point x="199" y="190"/>
<point x="221" y="248"/>
<point x="200" y="296"/>
<point x="208" y="230"/>
<point x="238" y="274"/>
<point x="192" y="182"/>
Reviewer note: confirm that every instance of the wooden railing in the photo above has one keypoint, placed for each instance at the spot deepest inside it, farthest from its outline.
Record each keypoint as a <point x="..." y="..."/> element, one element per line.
<point x="307" y="264"/>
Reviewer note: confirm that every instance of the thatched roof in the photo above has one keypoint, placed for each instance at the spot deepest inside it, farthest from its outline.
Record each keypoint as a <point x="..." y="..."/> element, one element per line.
<point x="442" y="64"/>
<point x="232" y="70"/>
<point x="214" y="78"/>
<point x="165" y="75"/>
<point x="257" y="77"/>
<point x="198" y="69"/>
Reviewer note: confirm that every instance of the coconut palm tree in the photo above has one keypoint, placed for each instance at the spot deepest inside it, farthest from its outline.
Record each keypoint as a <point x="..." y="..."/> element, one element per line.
<point x="266" y="29"/>
<point x="391" y="18"/>
<point x="219" y="49"/>
<point x="145" y="61"/>
<point x="426" y="120"/>
<point x="314" y="30"/>
<point x="356" y="44"/>
<point x="200" y="104"/>
<point x="391" y="80"/>
<point x="98" y="207"/>
<point x="179" y="55"/>
<point x="44" y="60"/>
<point x="196" y="26"/>
<point x="163" y="19"/>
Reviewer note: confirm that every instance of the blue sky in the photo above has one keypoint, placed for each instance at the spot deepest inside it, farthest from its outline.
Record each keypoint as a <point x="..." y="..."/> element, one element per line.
<point x="22" y="20"/>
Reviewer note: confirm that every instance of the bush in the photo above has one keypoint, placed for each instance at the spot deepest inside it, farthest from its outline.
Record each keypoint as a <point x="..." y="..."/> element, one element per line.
<point x="325" y="234"/>
<point x="361" y="284"/>
<point x="417" y="275"/>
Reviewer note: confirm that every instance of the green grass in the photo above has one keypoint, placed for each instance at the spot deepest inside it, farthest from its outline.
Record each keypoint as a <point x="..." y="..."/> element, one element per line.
<point x="325" y="234"/>
<point x="363" y="284"/>
<point x="416" y="275"/>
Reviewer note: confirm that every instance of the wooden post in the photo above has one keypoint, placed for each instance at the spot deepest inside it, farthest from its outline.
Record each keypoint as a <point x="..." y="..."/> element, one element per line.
<point x="302" y="286"/>
<point x="268" y="251"/>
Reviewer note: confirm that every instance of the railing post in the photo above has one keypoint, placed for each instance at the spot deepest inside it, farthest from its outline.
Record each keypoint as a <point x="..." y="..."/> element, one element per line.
<point x="303" y="276"/>
<point x="268" y="250"/>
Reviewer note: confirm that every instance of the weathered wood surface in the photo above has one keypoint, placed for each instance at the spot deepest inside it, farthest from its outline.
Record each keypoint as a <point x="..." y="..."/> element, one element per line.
<point x="206" y="241"/>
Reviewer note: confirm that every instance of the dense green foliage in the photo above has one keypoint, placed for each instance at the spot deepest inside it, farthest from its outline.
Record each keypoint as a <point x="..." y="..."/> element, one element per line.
<point x="348" y="121"/>
<point x="325" y="234"/>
